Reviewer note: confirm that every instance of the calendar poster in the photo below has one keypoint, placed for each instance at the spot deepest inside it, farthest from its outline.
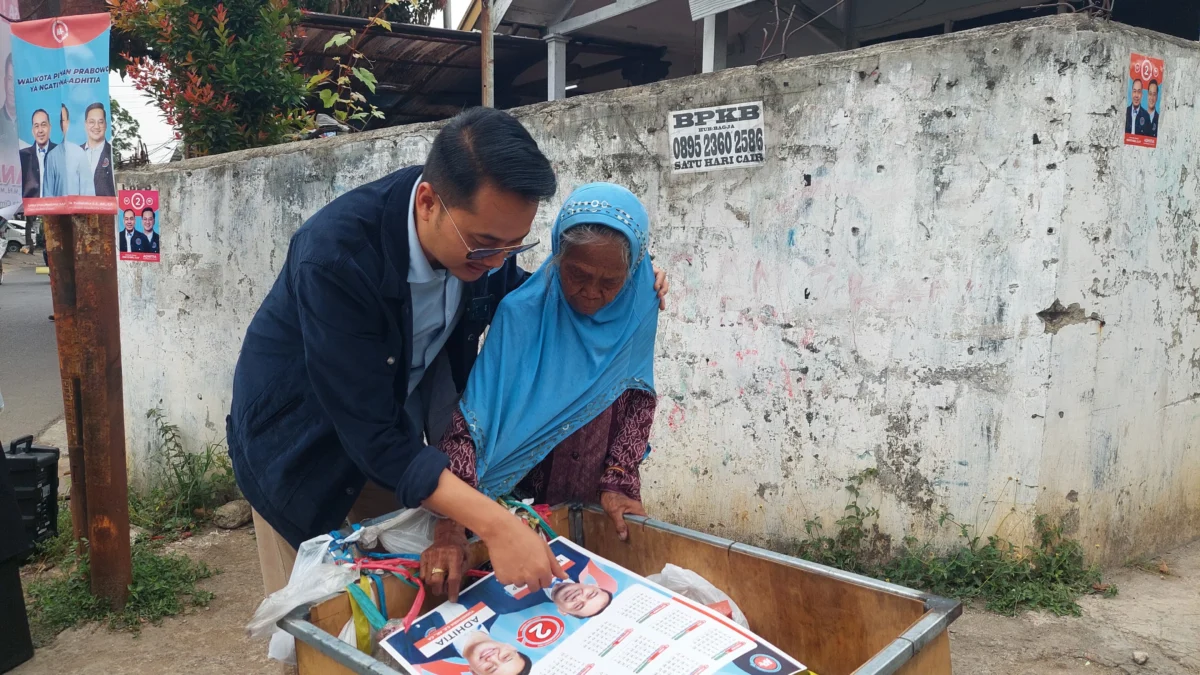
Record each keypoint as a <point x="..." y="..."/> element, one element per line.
<point x="604" y="620"/>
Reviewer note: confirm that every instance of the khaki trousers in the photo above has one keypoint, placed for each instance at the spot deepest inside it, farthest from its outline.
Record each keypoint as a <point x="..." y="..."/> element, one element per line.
<point x="276" y="556"/>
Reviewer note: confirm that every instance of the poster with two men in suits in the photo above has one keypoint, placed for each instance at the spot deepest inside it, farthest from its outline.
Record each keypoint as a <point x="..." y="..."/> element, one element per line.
<point x="1143" y="98"/>
<point x="63" y="120"/>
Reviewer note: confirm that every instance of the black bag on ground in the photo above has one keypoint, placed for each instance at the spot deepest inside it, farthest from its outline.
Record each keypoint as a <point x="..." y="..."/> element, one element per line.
<point x="16" y="644"/>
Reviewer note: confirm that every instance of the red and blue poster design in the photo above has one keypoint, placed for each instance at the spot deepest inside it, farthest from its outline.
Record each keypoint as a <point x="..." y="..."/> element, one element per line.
<point x="603" y="620"/>
<point x="10" y="165"/>
<point x="138" y="225"/>
<point x="64" y="128"/>
<point x="1143" y="100"/>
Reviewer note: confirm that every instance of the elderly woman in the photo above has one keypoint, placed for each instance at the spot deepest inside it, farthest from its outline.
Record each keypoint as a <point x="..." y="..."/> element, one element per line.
<point x="559" y="405"/>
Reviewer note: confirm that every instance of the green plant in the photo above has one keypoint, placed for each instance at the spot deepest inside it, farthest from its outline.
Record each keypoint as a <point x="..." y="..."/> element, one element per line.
<point x="185" y="486"/>
<point x="164" y="584"/>
<point x="1051" y="574"/>
<point x="223" y="74"/>
<point x="337" y="90"/>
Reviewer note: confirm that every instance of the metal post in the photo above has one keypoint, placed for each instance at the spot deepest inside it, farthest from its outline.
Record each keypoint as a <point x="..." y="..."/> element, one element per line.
<point x="81" y="251"/>
<point x="848" y="13"/>
<point x="556" y="67"/>
<point x="446" y="15"/>
<point x="487" y="54"/>
<point x="716" y="44"/>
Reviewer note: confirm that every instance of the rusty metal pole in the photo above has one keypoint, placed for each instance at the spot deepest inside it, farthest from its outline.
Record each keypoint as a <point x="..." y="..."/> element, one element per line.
<point x="83" y="282"/>
<point x="488" y="55"/>
<point x="81" y="251"/>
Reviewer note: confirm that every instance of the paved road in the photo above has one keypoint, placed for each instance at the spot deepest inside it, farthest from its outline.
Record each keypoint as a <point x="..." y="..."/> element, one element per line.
<point x="28" y="351"/>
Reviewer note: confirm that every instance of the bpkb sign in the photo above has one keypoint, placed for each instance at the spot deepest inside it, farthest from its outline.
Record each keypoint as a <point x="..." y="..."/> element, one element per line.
<point x="721" y="137"/>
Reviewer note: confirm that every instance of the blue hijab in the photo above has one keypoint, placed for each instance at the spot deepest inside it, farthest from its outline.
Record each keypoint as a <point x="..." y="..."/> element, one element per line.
<point x="545" y="370"/>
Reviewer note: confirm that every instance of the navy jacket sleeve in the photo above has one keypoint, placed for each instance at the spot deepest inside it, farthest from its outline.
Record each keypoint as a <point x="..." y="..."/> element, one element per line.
<point x="352" y="369"/>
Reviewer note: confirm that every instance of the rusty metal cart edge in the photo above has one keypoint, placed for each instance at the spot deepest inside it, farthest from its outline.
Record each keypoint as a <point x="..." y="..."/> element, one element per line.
<point x="939" y="612"/>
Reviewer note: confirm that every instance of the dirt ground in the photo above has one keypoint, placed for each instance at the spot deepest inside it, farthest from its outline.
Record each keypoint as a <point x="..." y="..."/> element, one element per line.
<point x="1157" y="614"/>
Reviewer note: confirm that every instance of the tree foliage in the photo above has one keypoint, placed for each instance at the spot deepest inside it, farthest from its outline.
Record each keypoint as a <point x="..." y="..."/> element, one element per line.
<point x="126" y="132"/>
<point x="222" y="73"/>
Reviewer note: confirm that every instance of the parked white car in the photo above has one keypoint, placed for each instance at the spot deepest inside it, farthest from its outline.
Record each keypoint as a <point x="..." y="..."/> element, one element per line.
<point x="15" y="238"/>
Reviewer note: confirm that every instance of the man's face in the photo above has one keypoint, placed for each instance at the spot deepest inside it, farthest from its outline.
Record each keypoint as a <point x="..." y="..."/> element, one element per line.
<point x="580" y="600"/>
<point x="148" y="221"/>
<point x="64" y="122"/>
<point x="488" y="657"/>
<point x="1152" y="95"/>
<point x="41" y="128"/>
<point x="1137" y="93"/>
<point x="97" y="125"/>
<point x="495" y="219"/>
<point x="130" y="219"/>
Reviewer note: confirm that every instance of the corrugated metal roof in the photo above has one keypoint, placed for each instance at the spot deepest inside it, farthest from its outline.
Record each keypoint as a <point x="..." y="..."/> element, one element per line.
<point x="703" y="8"/>
<point x="424" y="73"/>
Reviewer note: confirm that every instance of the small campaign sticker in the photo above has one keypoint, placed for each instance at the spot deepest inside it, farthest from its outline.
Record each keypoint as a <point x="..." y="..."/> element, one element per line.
<point x="764" y="663"/>
<point x="541" y="631"/>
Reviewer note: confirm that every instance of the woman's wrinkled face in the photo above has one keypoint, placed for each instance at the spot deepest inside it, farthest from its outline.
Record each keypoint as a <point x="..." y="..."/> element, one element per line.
<point x="593" y="274"/>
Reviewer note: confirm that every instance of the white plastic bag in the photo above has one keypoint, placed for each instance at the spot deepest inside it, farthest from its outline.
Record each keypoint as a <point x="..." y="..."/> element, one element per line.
<point x="315" y="577"/>
<point x="408" y="531"/>
<point x="696" y="588"/>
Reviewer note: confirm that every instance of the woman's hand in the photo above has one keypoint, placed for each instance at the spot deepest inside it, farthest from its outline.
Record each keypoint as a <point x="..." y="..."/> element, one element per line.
<point x="443" y="563"/>
<point x="661" y="286"/>
<point x="520" y="557"/>
<point x="617" y="505"/>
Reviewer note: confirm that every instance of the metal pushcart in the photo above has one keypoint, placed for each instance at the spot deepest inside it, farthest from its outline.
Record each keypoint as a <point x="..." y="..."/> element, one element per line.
<point x="835" y="622"/>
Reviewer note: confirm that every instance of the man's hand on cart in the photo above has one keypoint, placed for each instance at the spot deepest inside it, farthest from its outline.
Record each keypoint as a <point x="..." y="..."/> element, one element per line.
<point x="444" y="562"/>
<point x="518" y="554"/>
<point x="520" y="557"/>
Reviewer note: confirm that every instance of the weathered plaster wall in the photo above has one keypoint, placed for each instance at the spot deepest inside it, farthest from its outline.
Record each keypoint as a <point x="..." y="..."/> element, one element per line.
<point x="868" y="299"/>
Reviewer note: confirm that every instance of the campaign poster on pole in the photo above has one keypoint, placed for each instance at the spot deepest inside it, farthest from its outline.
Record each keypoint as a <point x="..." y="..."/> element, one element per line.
<point x="10" y="165"/>
<point x="1143" y="100"/>
<point x="138" y="225"/>
<point x="63" y="117"/>
<point x="604" y="620"/>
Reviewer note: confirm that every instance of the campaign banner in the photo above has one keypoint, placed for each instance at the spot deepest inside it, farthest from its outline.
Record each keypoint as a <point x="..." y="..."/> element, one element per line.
<point x="1143" y="98"/>
<point x="138" y="226"/>
<point x="10" y="164"/>
<point x="63" y="118"/>
<point x="603" y="620"/>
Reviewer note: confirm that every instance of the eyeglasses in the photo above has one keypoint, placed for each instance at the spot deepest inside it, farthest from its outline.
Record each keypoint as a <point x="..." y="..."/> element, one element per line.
<point x="484" y="253"/>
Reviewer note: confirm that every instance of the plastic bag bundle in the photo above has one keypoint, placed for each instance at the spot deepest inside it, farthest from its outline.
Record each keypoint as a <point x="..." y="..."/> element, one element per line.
<point x="316" y="576"/>
<point x="697" y="589"/>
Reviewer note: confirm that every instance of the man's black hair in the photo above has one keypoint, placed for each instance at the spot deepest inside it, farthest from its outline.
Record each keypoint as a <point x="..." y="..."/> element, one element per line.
<point x="35" y="113"/>
<point x="1151" y="82"/>
<point x="96" y="106"/>
<point x="150" y="211"/>
<point x="127" y="211"/>
<point x="528" y="664"/>
<point x="485" y="145"/>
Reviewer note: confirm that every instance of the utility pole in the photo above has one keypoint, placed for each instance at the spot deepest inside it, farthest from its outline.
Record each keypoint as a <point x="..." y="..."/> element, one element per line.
<point x="488" y="56"/>
<point x="81" y="251"/>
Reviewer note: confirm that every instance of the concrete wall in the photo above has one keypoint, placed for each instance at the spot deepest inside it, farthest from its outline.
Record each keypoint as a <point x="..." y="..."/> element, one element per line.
<point x="868" y="299"/>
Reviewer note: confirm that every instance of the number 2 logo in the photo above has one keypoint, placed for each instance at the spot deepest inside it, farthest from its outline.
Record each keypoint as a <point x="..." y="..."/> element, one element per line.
<point x="541" y="631"/>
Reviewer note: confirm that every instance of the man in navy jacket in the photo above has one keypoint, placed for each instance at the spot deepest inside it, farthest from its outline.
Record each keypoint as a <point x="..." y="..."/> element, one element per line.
<point x="355" y="359"/>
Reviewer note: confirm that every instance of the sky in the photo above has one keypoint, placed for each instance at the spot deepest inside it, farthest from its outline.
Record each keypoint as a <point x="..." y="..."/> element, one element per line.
<point x="154" y="130"/>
